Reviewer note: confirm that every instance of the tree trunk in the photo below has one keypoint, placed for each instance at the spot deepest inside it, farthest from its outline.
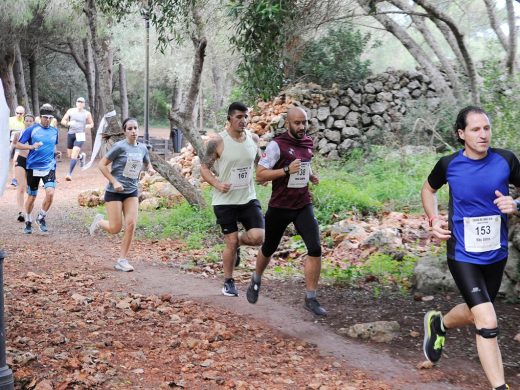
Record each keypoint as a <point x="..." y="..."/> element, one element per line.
<point x="103" y="69"/>
<point x="19" y="78"/>
<point x="490" y="7"/>
<point x="90" y="76"/>
<point x="6" y="74"/>
<point x="33" y="75"/>
<point x="434" y="45"/>
<point x="413" y="48"/>
<point x="123" y="92"/>
<point x="191" y="193"/>
<point x="511" y="52"/>
<point x="183" y="120"/>
<point x="436" y="13"/>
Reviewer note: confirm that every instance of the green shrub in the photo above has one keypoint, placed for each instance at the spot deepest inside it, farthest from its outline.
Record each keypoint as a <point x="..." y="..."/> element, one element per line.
<point x="335" y="58"/>
<point x="500" y="97"/>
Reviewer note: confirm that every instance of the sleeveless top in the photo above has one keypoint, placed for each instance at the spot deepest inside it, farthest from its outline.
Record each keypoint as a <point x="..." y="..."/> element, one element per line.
<point x="236" y="166"/>
<point x="80" y="121"/>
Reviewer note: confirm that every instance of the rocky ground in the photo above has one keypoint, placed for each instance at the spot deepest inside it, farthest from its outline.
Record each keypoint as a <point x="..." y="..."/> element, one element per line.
<point x="73" y="322"/>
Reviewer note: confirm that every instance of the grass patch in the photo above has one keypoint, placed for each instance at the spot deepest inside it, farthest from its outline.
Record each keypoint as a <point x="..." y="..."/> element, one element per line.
<point x="383" y="180"/>
<point x="196" y="226"/>
<point x="379" y="267"/>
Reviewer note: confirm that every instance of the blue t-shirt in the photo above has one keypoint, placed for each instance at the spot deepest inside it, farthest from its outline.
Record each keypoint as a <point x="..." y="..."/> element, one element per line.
<point x="43" y="157"/>
<point x="472" y="186"/>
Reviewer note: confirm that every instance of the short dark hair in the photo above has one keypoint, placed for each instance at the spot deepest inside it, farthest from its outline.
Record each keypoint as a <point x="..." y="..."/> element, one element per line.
<point x="46" y="109"/>
<point x="461" y="122"/>
<point x="236" y="106"/>
<point x="28" y="116"/>
<point x="128" y="120"/>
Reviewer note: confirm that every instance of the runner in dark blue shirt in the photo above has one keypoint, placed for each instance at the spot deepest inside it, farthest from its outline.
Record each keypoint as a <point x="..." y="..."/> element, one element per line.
<point x="41" y="140"/>
<point x="476" y="233"/>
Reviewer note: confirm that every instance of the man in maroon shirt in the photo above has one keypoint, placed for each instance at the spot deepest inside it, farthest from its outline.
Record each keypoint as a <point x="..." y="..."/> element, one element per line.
<point x="287" y="163"/>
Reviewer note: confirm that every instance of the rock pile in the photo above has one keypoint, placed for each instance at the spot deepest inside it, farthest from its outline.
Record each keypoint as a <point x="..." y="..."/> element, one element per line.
<point x="343" y="119"/>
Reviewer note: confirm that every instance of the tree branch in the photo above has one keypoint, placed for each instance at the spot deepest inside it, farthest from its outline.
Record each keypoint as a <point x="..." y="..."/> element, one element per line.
<point x="490" y="7"/>
<point x="79" y="61"/>
<point x="436" y="13"/>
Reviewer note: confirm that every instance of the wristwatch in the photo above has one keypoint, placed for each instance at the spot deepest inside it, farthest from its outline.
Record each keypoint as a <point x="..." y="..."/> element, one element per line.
<point x="517" y="203"/>
<point x="286" y="171"/>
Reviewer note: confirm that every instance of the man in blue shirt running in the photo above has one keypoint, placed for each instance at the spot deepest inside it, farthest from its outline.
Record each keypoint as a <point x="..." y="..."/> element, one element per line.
<point x="476" y="235"/>
<point x="41" y="140"/>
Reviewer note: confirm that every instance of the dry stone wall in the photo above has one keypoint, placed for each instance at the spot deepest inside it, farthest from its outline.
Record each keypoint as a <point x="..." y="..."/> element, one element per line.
<point x="341" y="120"/>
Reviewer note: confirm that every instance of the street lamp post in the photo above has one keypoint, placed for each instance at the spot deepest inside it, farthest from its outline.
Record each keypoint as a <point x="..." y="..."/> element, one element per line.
<point x="6" y="375"/>
<point x="146" y="15"/>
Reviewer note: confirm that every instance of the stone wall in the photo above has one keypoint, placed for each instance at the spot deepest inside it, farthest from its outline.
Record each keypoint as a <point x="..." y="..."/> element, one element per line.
<point x="343" y="119"/>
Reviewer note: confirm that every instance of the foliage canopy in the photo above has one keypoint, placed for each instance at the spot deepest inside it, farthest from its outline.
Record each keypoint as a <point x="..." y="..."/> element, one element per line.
<point x="335" y="58"/>
<point x="261" y="32"/>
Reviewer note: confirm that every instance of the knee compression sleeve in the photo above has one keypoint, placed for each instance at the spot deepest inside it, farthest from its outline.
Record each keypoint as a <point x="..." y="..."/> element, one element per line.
<point x="487" y="333"/>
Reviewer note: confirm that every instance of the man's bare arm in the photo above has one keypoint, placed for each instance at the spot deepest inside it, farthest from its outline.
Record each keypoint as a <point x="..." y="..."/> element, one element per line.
<point x="256" y="138"/>
<point x="66" y="118"/>
<point x="207" y="164"/>
<point x="89" y="122"/>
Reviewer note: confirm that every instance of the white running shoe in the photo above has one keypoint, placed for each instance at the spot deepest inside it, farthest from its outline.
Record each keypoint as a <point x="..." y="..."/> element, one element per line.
<point x="123" y="265"/>
<point x="95" y="224"/>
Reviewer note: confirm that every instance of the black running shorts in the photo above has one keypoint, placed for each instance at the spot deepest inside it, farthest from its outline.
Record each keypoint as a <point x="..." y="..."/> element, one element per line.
<point x="118" y="196"/>
<point x="33" y="182"/>
<point x="478" y="283"/>
<point x="249" y="215"/>
<point x="71" y="141"/>
<point x="277" y="220"/>
<point x="21" y="162"/>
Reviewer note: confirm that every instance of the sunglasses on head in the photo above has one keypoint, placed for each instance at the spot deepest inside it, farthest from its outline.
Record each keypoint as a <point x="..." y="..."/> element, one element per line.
<point x="47" y="116"/>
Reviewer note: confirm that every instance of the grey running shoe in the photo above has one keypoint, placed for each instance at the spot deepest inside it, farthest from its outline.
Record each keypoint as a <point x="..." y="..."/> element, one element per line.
<point x="237" y="259"/>
<point x="253" y="291"/>
<point x="123" y="265"/>
<point x="434" y="337"/>
<point x="95" y="224"/>
<point x="28" y="228"/>
<point x="21" y="218"/>
<point x="82" y="159"/>
<point x="229" y="289"/>
<point x="314" y="307"/>
<point x="42" y="224"/>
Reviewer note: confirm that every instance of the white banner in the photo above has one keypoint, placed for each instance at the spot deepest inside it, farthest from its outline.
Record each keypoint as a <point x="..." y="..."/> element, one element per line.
<point x="4" y="139"/>
<point x="97" y="141"/>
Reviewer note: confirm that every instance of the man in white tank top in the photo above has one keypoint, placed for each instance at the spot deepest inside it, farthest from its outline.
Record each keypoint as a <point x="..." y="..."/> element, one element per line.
<point x="78" y="120"/>
<point x="228" y="167"/>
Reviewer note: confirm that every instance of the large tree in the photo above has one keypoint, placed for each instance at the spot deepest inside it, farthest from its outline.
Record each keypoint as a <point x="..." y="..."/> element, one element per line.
<point x="174" y="20"/>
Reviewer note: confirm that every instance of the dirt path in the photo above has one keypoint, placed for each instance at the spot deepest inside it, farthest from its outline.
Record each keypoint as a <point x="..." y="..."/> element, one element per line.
<point x="87" y="326"/>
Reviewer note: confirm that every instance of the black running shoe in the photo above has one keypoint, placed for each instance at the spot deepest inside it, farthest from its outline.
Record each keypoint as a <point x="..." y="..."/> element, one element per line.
<point x="253" y="291"/>
<point x="237" y="259"/>
<point x="314" y="307"/>
<point x="21" y="218"/>
<point x="229" y="289"/>
<point x="28" y="228"/>
<point x="434" y="337"/>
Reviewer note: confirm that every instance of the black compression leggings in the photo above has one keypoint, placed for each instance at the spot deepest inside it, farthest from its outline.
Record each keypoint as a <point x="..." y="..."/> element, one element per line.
<point x="277" y="220"/>
<point x="478" y="283"/>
